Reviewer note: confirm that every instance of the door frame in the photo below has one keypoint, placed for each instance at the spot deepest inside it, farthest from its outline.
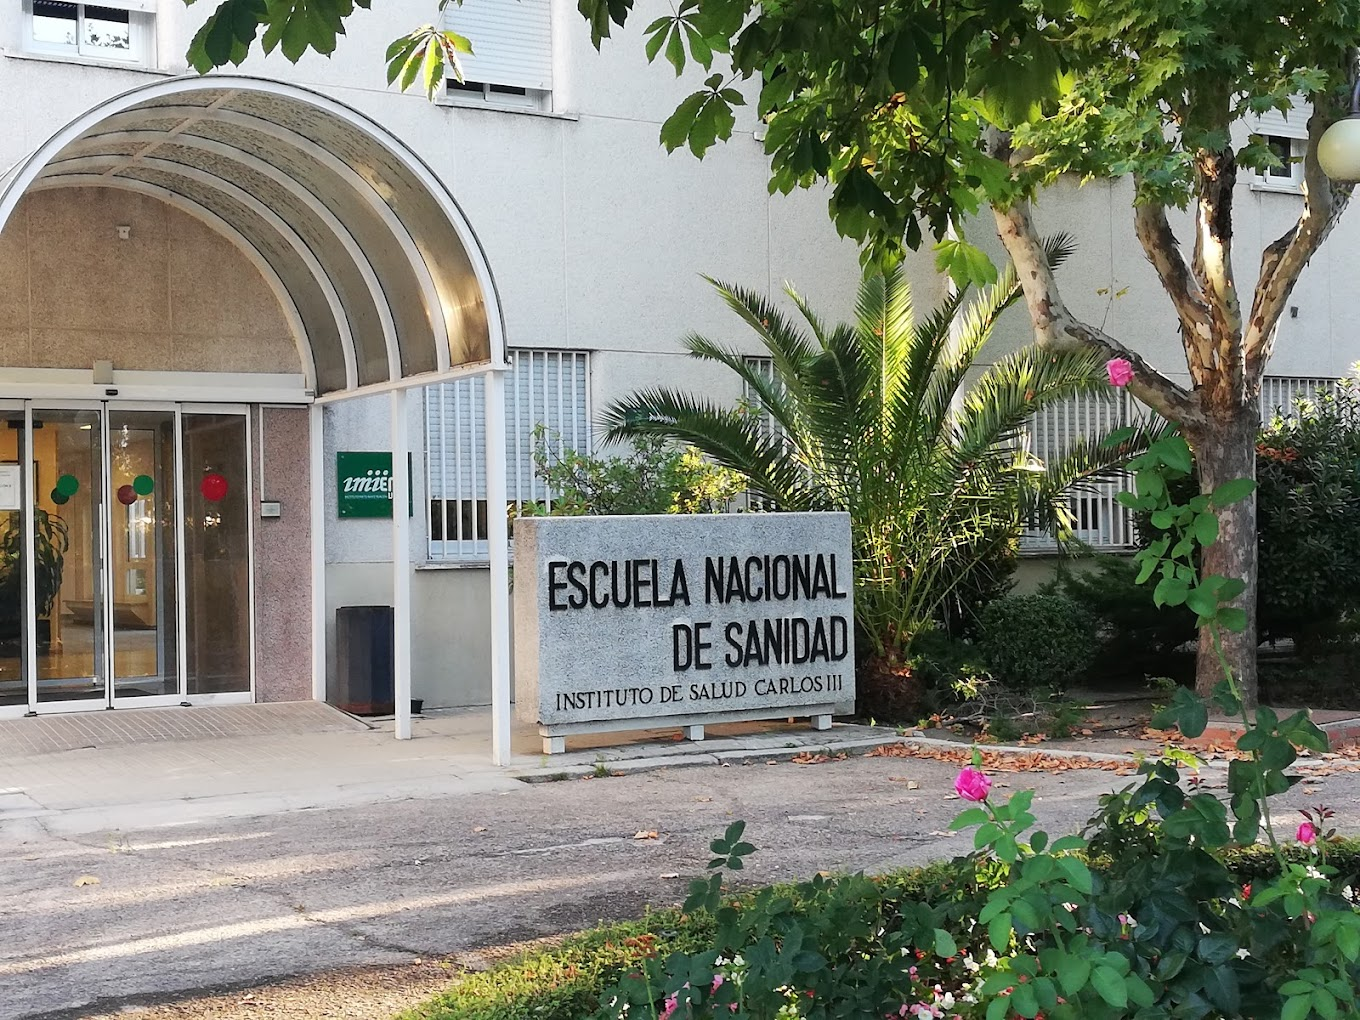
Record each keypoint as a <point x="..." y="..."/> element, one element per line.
<point x="105" y="661"/>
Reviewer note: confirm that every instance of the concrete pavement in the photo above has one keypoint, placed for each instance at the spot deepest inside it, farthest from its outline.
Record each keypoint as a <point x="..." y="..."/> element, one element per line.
<point x="277" y="876"/>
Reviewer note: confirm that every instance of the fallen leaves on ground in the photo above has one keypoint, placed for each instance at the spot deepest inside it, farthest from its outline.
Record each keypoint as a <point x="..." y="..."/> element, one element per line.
<point x="645" y="834"/>
<point x="812" y="758"/>
<point x="1002" y="761"/>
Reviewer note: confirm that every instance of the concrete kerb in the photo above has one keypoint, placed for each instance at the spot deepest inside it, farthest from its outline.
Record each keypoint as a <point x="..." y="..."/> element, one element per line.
<point x="777" y="750"/>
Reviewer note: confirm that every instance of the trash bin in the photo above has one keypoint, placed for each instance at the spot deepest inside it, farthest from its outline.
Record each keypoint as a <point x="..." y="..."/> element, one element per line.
<point x="364" y="660"/>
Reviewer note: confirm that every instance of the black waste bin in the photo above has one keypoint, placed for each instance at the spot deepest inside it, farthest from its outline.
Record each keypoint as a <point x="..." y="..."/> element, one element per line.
<point x="364" y="660"/>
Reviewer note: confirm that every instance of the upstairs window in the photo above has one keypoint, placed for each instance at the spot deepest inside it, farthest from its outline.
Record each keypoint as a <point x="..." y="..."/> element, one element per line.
<point x="117" y="30"/>
<point x="1289" y="151"/>
<point x="511" y="62"/>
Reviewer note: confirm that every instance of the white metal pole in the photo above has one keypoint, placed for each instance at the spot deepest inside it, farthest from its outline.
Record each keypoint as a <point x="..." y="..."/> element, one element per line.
<point x="315" y="423"/>
<point x="401" y="566"/>
<point x="498" y="541"/>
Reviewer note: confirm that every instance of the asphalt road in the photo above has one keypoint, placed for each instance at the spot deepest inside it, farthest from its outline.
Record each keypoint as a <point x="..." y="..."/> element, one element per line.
<point x="91" y="922"/>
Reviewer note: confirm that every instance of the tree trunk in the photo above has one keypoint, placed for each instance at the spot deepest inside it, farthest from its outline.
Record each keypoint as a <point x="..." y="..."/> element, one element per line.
<point x="1226" y="450"/>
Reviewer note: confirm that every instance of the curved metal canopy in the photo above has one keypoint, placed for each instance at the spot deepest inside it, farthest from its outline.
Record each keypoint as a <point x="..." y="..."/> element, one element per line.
<point x="376" y="268"/>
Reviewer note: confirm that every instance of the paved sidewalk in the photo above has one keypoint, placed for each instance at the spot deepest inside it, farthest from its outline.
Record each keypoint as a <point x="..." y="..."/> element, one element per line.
<point x="289" y="758"/>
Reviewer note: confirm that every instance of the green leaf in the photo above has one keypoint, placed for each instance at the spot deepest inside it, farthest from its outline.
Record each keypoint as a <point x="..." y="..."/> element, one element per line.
<point x="999" y="931"/>
<point x="1232" y="618"/>
<point x="1024" y="1002"/>
<point x="965" y="263"/>
<point x="945" y="945"/>
<point x="1170" y="591"/>
<point x="1073" y="975"/>
<point x="1298" y="1007"/>
<point x="1232" y="492"/>
<point x="675" y="131"/>
<point x="1206" y="529"/>
<point x="973" y="816"/>
<point x="1109" y="985"/>
<point x="675" y="49"/>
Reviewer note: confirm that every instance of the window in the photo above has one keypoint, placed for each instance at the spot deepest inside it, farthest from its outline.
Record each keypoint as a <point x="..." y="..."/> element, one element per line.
<point x="1098" y="519"/>
<point x="544" y="388"/>
<point x="120" y="30"/>
<point x="1289" y="151"/>
<point x="1279" y="391"/>
<point x="511" y="62"/>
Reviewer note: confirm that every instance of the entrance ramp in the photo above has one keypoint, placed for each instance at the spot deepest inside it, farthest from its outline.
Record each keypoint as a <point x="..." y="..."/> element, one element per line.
<point x="48" y="734"/>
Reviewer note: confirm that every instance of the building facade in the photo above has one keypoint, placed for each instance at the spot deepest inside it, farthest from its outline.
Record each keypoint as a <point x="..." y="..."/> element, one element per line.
<point x="210" y="287"/>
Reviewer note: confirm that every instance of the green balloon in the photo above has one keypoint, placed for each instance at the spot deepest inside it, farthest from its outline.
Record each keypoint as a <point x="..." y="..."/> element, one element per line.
<point x="143" y="484"/>
<point x="68" y="486"/>
<point x="60" y="498"/>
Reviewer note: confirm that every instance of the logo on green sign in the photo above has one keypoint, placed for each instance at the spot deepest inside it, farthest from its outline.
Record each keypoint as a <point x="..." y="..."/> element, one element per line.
<point x="363" y="485"/>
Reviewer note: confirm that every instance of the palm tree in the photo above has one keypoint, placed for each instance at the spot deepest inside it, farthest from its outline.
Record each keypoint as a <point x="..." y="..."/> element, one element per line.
<point x="879" y="419"/>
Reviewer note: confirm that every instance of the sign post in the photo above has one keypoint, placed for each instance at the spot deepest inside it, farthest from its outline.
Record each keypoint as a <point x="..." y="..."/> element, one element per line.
<point x="625" y="623"/>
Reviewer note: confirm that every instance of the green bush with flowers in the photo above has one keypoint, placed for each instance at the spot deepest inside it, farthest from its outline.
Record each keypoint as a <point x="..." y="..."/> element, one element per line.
<point x="1036" y="928"/>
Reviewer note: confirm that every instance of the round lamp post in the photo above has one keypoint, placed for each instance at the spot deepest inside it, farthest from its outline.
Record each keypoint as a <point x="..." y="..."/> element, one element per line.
<point x="1338" y="150"/>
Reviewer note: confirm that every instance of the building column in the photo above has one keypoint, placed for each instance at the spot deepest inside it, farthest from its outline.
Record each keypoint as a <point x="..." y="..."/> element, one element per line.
<point x="401" y="567"/>
<point x="498" y="540"/>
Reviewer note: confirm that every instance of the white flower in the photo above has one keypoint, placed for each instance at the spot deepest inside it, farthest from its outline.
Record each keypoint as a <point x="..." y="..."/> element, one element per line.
<point x="971" y="965"/>
<point x="947" y="1000"/>
<point x="1349" y="893"/>
<point x="1242" y="954"/>
<point x="1232" y="900"/>
<point x="1070" y="907"/>
<point x="1313" y="872"/>
<point x="1204" y="928"/>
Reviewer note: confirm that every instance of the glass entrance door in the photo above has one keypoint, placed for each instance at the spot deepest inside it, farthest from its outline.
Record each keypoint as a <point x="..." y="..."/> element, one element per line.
<point x="124" y="555"/>
<point x="66" y="543"/>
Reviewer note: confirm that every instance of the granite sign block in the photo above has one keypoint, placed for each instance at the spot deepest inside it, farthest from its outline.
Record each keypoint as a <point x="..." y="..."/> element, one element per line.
<point x="628" y="622"/>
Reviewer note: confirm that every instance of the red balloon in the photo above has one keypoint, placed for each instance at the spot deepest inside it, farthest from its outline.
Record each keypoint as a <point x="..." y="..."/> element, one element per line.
<point x="127" y="495"/>
<point x="213" y="487"/>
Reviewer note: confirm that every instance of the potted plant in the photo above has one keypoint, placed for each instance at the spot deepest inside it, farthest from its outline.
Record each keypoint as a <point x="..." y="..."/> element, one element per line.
<point x="51" y="539"/>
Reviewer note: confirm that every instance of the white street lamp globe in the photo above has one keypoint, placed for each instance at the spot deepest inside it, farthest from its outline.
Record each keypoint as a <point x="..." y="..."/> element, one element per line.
<point x="1338" y="150"/>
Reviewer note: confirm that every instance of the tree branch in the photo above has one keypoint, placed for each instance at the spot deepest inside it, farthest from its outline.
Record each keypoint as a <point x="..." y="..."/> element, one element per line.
<point x="1215" y="180"/>
<point x="1054" y="324"/>
<point x="1164" y="252"/>
<point x="1284" y="258"/>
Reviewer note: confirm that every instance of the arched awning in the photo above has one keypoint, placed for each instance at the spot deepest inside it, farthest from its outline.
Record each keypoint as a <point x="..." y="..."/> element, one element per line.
<point x="376" y="268"/>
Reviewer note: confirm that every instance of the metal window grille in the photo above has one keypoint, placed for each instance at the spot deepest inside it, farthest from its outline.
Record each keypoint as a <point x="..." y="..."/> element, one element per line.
<point x="1278" y="393"/>
<point x="544" y="388"/>
<point x="1098" y="519"/>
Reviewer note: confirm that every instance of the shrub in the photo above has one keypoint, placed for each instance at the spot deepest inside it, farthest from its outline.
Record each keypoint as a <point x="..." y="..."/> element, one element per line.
<point x="1038" y="641"/>
<point x="1308" y="502"/>
<point x="565" y="982"/>
<point x="652" y="476"/>
<point x="1133" y="635"/>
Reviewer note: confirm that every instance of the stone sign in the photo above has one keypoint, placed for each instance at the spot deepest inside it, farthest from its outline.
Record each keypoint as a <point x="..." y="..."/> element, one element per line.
<point x="680" y="620"/>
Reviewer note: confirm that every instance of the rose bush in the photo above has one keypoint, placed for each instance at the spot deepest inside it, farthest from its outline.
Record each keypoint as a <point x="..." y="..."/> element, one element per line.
<point x="1141" y="918"/>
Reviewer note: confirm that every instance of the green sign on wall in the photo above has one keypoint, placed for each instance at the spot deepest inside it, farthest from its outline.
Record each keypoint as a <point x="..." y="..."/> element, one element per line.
<point x="363" y="484"/>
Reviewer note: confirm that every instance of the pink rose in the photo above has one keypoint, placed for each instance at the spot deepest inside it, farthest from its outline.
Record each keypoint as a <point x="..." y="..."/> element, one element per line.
<point x="717" y="983"/>
<point x="1307" y="835"/>
<point x="1120" y="372"/>
<point x="972" y="784"/>
<point x="669" y="1007"/>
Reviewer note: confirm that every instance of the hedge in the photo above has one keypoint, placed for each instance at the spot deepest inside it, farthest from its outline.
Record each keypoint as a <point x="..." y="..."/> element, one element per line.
<point x="565" y="981"/>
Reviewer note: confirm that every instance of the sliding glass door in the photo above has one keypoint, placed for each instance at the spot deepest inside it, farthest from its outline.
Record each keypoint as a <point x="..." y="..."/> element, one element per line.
<point x="125" y="555"/>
